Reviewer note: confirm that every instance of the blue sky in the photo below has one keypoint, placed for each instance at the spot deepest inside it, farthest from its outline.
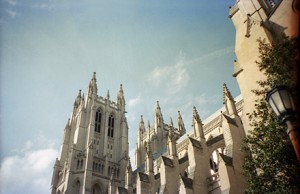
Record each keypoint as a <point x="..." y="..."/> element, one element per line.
<point x="177" y="52"/>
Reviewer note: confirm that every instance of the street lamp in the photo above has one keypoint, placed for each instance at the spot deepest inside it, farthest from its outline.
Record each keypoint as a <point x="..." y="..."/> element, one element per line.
<point x="281" y="101"/>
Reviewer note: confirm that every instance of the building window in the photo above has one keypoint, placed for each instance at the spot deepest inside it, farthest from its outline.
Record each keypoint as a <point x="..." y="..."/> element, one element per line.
<point x="111" y="125"/>
<point x="79" y="164"/>
<point x="98" y="121"/>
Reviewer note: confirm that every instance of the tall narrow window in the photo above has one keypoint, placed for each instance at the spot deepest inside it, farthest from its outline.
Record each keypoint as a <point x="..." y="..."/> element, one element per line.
<point x="81" y="164"/>
<point x="111" y="125"/>
<point x="98" y="121"/>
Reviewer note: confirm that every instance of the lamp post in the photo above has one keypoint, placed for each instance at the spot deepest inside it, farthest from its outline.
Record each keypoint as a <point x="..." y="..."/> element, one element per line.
<point x="281" y="101"/>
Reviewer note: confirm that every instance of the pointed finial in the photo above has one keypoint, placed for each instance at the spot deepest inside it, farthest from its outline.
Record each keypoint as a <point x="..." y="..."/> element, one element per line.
<point x="93" y="85"/>
<point x="142" y="120"/>
<point x="196" y="115"/>
<point x="129" y="165"/>
<point x="107" y="95"/>
<point x="171" y="129"/>
<point x="120" y="94"/>
<point x="181" y="127"/>
<point x="142" y="126"/>
<point x="149" y="125"/>
<point x="112" y="175"/>
<point x="120" y="98"/>
<point x="158" y="110"/>
<point x="226" y="93"/>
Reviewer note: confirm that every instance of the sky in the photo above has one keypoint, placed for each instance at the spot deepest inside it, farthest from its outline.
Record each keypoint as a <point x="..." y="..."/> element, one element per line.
<point x="176" y="52"/>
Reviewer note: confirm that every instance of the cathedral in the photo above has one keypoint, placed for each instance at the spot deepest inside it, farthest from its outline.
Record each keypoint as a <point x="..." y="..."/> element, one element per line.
<point x="170" y="158"/>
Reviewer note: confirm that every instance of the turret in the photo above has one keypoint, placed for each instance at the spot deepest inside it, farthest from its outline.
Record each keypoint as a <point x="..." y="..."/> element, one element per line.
<point x="171" y="141"/>
<point x="92" y="91"/>
<point x="228" y="101"/>
<point x="198" y="126"/>
<point x="181" y="127"/>
<point x="120" y="98"/>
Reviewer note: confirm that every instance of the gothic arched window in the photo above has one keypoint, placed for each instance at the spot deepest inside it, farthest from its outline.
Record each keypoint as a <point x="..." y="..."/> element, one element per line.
<point x="98" y="121"/>
<point x="111" y="125"/>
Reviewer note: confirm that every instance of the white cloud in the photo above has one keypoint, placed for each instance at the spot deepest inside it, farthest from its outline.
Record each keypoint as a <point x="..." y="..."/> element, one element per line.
<point x="170" y="78"/>
<point x="134" y="102"/>
<point x="132" y="106"/>
<point x="28" y="172"/>
<point x="11" y="13"/>
<point x="212" y="55"/>
<point x="11" y="2"/>
<point x="44" y="6"/>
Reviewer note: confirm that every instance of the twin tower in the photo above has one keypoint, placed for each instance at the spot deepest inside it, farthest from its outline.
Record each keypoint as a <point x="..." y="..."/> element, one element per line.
<point x="94" y="153"/>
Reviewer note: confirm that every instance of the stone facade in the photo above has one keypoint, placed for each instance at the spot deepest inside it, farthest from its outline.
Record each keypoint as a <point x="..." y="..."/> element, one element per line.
<point x="258" y="19"/>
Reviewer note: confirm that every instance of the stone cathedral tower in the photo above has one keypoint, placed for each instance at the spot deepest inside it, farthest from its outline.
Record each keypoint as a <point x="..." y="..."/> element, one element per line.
<point x="94" y="152"/>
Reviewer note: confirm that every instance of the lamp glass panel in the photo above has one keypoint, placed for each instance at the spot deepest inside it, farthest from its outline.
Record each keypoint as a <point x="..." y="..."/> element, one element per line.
<point x="273" y="106"/>
<point x="292" y="103"/>
<point x="286" y="99"/>
<point x="277" y="101"/>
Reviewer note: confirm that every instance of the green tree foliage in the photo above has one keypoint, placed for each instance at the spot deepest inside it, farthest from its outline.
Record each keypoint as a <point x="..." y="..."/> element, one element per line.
<point x="271" y="165"/>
